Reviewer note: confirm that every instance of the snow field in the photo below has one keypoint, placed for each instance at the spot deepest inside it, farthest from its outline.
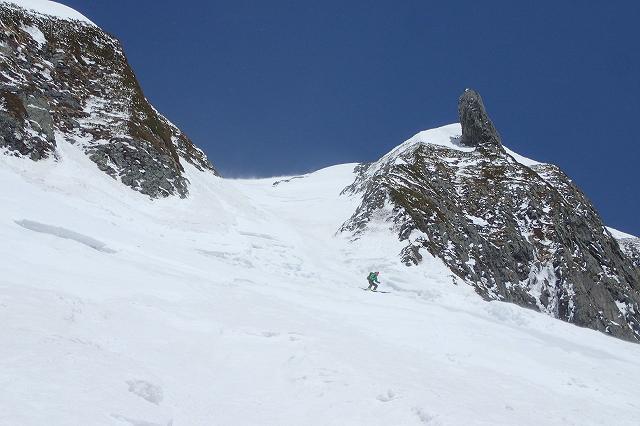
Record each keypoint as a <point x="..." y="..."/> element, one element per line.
<point x="241" y="305"/>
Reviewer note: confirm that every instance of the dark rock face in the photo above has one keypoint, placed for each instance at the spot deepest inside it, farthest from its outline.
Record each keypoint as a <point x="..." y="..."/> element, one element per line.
<point x="477" y="127"/>
<point x="26" y="126"/>
<point x="516" y="233"/>
<point x="74" y="85"/>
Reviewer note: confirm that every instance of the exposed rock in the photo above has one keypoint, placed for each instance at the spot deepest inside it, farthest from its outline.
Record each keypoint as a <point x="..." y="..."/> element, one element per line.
<point x="26" y="127"/>
<point x="74" y="83"/>
<point x="477" y="127"/>
<point x="631" y="247"/>
<point x="516" y="233"/>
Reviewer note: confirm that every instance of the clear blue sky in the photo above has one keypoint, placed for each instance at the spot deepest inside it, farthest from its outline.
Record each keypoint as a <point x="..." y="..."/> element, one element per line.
<point x="280" y="87"/>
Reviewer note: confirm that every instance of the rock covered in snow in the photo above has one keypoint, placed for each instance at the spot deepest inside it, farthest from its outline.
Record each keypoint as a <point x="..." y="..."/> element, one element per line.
<point x="516" y="230"/>
<point x="629" y="244"/>
<point x="63" y="78"/>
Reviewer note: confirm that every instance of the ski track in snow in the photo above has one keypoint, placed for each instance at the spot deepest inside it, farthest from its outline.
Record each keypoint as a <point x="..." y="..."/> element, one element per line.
<point x="240" y="305"/>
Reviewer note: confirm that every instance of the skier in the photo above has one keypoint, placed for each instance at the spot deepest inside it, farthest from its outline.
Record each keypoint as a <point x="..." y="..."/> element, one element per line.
<point x="373" y="281"/>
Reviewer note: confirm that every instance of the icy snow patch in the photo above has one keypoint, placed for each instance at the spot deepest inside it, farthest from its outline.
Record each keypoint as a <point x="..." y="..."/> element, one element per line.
<point x="521" y="159"/>
<point x="65" y="233"/>
<point x="35" y="34"/>
<point x="477" y="220"/>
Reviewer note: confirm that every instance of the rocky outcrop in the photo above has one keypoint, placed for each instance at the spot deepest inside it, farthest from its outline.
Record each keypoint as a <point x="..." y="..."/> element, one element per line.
<point x="26" y="126"/>
<point x="631" y="247"/>
<point x="67" y="80"/>
<point x="477" y="127"/>
<point x="521" y="233"/>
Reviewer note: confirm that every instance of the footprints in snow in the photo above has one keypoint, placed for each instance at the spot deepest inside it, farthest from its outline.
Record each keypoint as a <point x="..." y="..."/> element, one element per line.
<point x="388" y="396"/>
<point x="425" y="417"/>
<point x="145" y="390"/>
<point x="290" y="336"/>
<point x="149" y="392"/>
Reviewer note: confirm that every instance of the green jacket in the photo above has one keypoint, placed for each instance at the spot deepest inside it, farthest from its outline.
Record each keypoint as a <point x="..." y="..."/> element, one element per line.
<point x="373" y="277"/>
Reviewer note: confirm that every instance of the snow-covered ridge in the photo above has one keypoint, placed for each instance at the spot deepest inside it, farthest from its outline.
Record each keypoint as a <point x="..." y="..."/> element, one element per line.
<point x="48" y="8"/>
<point x="448" y="137"/>
<point x="619" y="235"/>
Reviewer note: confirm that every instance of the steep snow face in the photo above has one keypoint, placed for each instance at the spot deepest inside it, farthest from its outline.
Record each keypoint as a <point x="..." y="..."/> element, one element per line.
<point x="49" y="9"/>
<point x="241" y="305"/>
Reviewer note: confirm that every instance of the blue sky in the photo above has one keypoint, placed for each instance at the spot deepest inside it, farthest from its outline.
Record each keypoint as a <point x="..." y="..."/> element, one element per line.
<point x="283" y="87"/>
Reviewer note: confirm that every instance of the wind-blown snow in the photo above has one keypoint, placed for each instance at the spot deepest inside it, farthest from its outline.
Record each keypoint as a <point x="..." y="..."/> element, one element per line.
<point x="240" y="305"/>
<point x="49" y="8"/>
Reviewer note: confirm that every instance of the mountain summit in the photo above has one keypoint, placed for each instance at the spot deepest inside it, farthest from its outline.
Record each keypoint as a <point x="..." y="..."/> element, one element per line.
<point x="517" y="230"/>
<point x="63" y="78"/>
<point x="477" y="127"/>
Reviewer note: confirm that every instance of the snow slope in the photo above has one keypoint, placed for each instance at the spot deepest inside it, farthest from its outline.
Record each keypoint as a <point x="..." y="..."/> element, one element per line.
<point x="240" y="305"/>
<point x="619" y="235"/>
<point x="49" y="8"/>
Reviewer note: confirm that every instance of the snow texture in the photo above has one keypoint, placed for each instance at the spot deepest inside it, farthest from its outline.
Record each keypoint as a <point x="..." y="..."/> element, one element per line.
<point x="64" y="233"/>
<point x="448" y="137"/>
<point x="35" y="34"/>
<point x="619" y="235"/>
<point x="49" y="8"/>
<point x="241" y="305"/>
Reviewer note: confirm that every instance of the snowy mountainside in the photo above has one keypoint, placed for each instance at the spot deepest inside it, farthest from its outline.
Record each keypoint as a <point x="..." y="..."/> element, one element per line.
<point x="241" y="305"/>
<point x="241" y="301"/>
<point x="63" y="78"/>
<point x="517" y="230"/>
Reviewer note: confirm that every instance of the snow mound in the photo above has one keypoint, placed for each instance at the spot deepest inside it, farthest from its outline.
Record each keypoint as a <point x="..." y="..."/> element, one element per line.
<point x="447" y="136"/>
<point x="49" y="8"/>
